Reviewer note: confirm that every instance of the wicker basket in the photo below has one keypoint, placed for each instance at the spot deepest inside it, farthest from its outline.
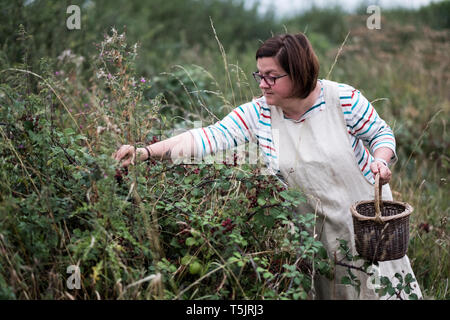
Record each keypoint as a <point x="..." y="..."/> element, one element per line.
<point x="381" y="227"/>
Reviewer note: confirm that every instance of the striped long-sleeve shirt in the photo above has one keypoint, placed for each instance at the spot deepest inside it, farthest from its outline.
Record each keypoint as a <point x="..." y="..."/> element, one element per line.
<point x="252" y="122"/>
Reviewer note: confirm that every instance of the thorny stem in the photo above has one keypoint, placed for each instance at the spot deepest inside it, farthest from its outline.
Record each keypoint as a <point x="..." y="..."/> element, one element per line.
<point x="54" y="92"/>
<point x="340" y="263"/>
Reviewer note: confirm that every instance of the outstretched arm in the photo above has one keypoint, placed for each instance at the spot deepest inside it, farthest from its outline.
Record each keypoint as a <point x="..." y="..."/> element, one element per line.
<point x="231" y="131"/>
<point x="181" y="145"/>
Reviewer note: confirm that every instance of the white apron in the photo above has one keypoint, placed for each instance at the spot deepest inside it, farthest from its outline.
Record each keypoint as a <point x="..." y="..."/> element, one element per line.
<point x="316" y="156"/>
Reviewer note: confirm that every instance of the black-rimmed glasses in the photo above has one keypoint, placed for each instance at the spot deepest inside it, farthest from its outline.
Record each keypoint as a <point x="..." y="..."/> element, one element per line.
<point x="270" y="80"/>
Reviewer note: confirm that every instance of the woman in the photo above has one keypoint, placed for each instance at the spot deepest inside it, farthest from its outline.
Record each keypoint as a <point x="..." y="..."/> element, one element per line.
<point x="320" y="136"/>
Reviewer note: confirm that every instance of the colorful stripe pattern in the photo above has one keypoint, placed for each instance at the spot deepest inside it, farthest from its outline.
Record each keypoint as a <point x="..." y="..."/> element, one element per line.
<point x="252" y="122"/>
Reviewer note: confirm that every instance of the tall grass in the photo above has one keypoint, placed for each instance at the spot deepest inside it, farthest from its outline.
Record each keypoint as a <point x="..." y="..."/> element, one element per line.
<point x="164" y="231"/>
<point x="161" y="231"/>
<point x="404" y="72"/>
<point x="406" y="77"/>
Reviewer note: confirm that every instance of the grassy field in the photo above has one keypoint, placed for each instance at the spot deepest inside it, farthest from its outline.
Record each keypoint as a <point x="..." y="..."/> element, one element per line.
<point x="166" y="231"/>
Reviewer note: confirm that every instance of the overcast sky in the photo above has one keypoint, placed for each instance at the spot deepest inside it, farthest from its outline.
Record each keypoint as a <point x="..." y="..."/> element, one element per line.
<point x="287" y="7"/>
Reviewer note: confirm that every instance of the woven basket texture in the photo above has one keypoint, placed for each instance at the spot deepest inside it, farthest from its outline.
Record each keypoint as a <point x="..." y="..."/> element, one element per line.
<point x="381" y="241"/>
<point x="381" y="227"/>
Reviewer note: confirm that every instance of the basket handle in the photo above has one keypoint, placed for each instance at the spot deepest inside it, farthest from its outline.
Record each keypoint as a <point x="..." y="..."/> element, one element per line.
<point x="378" y="198"/>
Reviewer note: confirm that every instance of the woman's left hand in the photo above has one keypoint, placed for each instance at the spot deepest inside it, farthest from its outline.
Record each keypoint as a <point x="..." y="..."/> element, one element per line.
<point x="385" y="172"/>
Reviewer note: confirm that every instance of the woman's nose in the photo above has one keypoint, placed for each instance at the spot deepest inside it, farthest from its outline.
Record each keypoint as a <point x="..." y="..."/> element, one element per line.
<point x="263" y="84"/>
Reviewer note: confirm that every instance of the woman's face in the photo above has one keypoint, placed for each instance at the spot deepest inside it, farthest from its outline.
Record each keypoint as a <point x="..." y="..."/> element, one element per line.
<point x="279" y="93"/>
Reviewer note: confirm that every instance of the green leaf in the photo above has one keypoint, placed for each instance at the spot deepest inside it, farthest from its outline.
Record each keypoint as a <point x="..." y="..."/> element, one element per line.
<point x="190" y="241"/>
<point x="80" y="137"/>
<point x="232" y="260"/>
<point x="407" y="289"/>
<point x="391" y="290"/>
<point x="413" y="296"/>
<point x="381" y="291"/>
<point x="346" y="280"/>
<point x="261" y="201"/>
<point x="69" y="132"/>
<point x="28" y="125"/>
<point x="409" y="278"/>
<point x="267" y="275"/>
<point x="323" y="253"/>
<point x="187" y="259"/>
<point x="385" y="281"/>
<point x="399" y="277"/>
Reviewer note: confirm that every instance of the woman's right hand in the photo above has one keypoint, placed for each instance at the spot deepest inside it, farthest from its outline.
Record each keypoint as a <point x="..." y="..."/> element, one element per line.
<point x="126" y="153"/>
<point x="181" y="145"/>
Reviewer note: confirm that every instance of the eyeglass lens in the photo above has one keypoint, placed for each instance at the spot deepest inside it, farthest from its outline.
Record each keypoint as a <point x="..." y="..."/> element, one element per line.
<point x="269" y="80"/>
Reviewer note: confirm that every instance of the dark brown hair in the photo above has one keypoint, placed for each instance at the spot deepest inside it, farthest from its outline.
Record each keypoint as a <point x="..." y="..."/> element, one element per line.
<point x="296" y="56"/>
